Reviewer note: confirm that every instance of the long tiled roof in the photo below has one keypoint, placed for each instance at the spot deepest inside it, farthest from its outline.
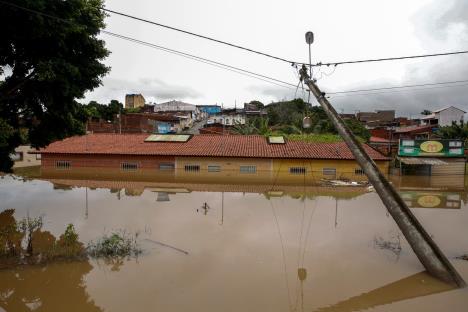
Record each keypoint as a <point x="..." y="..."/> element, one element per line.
<point x="202" y="145"/>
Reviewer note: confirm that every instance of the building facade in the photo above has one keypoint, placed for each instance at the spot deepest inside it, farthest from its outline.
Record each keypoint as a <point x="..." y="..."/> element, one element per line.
<point x="444" y="117"/>
<point x="230" y="156"/>
<point x="134" y="101"/>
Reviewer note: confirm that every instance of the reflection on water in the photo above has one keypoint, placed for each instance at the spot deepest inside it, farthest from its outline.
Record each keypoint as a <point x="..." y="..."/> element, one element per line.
<point x="54" y="287"/>
<point x="417" y="285"/>
<point x="228" y="245"/>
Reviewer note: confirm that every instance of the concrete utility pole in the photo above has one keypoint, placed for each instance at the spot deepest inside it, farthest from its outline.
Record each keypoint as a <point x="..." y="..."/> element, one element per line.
<point x="425" y="248"/>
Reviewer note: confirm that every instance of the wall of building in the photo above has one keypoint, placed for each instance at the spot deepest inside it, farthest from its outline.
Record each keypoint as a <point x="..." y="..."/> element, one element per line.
<point x="455" y="167"/>
<point x="134" y="100"/>
<point x="447" y="116"/>
<point x="105" y="161"/>
<point x="252" y="169"/>
<point x="22" y="158"/>
<point x="344" y="169"/>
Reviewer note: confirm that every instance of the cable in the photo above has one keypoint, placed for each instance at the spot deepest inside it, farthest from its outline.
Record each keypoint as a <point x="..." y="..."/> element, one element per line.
<point x="196" y="35"/>
<point x="404" y="90"/>
<point x="389" y="58"/>
<point x="205" y="60"/>
<point x="399" y="87"/>
<point x="180" y="53"/>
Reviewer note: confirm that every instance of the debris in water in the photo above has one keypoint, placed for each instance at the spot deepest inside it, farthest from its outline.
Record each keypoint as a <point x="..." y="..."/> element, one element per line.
<point x="393" y="245"/>
<point x="166" y="245"/>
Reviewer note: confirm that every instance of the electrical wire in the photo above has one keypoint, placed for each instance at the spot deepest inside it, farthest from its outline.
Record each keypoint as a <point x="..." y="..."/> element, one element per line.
<point x="265" y="78"/>
<point x="400" y="87"/>
<point x="389" y="58"/>
<point x="238" y="70"/>
<point x="404" y="90"/>
<point x="196" y="35"/>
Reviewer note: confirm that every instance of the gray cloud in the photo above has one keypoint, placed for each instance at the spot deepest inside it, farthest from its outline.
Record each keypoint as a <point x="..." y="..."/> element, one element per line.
<point x="154" y="90"/>
<point x="439" y="27"/>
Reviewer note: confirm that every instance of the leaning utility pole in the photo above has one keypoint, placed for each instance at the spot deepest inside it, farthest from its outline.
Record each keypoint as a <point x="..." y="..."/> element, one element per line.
<point x="422" y="244"/>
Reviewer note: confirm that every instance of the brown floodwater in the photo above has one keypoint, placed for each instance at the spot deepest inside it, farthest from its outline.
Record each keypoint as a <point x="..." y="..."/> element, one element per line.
<point x="229" y="244"/>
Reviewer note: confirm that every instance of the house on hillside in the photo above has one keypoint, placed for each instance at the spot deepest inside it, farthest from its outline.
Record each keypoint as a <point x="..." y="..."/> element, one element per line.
<point x="377" y="118"/>
<point x="180" y="108"/>
<point x="134" y="101"/>
<point x="228" y="117"/>
<point x="444" y="116"/>
<point x="209" y="109"/>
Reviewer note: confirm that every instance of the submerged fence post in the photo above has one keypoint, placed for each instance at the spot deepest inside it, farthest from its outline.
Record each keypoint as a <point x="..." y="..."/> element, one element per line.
<point x="422" y="244"/>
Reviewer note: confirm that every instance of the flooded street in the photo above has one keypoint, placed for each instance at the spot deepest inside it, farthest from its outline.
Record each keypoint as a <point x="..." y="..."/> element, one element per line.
<point x="232" y="246"/>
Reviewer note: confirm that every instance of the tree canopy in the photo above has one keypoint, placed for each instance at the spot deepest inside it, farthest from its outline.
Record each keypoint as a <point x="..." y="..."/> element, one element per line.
<point x="46" y="64"/>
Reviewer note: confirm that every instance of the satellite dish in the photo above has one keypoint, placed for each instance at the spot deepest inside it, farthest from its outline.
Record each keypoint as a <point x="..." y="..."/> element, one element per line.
<point x="309" y="36"/>
<point x="306" y="122"/>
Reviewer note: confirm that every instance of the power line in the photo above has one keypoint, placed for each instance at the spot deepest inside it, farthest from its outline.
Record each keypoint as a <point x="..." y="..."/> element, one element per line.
<point x="390" y="58"/>
<point x="279" y="58"/>
<point x="400" y="87"/>
<point x="207" y="61"/>
<point x="196" y="35"/>
<point x="404" y="90"/>
<point x="264" y="77"/>
<point x="180" y="53"/>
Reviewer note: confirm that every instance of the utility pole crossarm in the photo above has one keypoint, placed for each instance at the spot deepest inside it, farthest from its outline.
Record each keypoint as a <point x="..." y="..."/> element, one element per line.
<point x="422" y="244"/>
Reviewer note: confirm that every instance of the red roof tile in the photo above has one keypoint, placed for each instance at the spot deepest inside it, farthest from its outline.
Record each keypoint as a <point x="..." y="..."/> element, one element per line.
<point x="204" y="146"/>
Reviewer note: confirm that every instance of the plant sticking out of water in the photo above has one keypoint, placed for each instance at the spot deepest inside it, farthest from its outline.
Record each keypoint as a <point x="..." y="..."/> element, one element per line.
<point x="117" y="244"/>
<point x="28" y="226"/>
<point x="10" y="235"/>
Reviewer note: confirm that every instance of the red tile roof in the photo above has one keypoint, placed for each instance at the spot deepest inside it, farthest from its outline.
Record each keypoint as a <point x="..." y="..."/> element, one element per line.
<point x="255" y="146"/>
<point x="374" y="139"/>
<point x="415" y="128"/>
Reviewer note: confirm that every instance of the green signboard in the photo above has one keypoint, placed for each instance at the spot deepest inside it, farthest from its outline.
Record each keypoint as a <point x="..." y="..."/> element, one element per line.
<point x="431" y="148"/>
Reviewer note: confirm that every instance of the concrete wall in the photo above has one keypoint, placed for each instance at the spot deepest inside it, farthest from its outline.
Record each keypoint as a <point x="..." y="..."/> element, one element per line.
<point x="25" y="159"/>
<point x="105" y="161"/>
<point x="229" y="167"/>
<point x="448" y="115"/>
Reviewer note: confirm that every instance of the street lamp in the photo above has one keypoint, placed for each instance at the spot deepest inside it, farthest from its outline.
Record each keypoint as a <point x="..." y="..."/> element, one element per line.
<point x="309" y="37"/>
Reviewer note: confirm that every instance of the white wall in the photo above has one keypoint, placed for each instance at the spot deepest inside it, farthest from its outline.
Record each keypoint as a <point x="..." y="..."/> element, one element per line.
<point x="448" y="115"/>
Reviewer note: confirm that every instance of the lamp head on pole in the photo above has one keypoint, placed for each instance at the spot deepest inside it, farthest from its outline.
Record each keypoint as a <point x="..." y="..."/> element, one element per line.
<point x="309" y="37"/>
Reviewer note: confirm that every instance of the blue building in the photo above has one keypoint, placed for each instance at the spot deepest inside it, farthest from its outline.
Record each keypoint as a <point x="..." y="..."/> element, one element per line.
<point x="210" y="109"/>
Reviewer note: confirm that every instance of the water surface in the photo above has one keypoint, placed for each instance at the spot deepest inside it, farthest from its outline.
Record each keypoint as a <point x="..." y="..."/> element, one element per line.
<point x="216" y="245"/>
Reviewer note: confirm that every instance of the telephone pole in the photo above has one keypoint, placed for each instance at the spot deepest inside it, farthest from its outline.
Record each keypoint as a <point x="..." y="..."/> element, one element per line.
<point x="420" y="241"/>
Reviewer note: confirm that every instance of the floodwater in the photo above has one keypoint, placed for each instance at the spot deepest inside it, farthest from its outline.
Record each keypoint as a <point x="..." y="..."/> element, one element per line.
<point x="224" y="246"/>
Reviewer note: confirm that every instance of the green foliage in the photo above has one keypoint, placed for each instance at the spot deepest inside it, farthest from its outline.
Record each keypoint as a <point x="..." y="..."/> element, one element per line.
<point x="107" y="112"/>
<point x="48" y="64"/>
<point x="318" y="138"/>
<point x="455" y="131"/>
<point x="131" y="110"/>
<point x="68" y="244"/>
<point x="118" y="244"/>
<point x="426" y="112"/>
<point x="7" y="143"/>
<point x="10" y="235"/>
<point x="358" y="129"/>
<point x="286" y="118"/>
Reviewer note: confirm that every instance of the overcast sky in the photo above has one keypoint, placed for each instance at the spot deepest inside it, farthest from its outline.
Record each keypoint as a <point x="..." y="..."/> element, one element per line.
<point x="344" y="30"/>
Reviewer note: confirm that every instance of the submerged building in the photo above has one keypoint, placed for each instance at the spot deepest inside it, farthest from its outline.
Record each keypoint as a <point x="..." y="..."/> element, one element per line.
<point x="236" y="156"/>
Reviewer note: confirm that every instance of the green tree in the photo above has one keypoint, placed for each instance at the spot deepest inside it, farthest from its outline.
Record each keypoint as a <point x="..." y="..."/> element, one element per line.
<point x="455" y="131"/>
<point x="46" y="64"/>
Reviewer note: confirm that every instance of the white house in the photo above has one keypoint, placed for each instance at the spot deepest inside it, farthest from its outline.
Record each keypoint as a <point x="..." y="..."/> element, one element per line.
<point x="444" y="116"/>
<point x="179" y="106"/>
